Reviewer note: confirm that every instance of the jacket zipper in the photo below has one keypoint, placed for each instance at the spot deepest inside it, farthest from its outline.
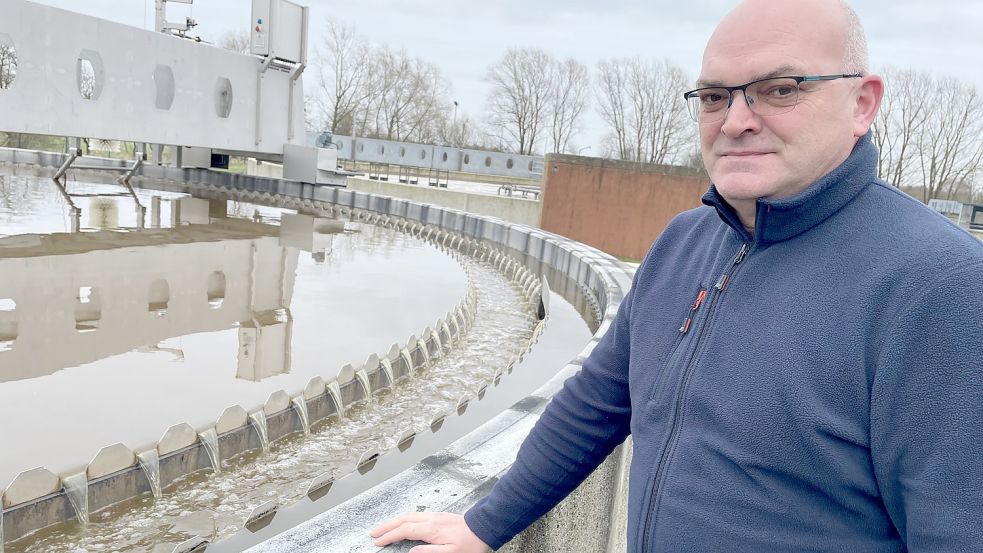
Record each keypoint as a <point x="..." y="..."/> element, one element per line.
<point x="719" y="288"/>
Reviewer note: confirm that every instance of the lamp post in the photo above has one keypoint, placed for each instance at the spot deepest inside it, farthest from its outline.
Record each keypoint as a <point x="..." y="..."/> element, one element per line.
<point x="454" y="140"/>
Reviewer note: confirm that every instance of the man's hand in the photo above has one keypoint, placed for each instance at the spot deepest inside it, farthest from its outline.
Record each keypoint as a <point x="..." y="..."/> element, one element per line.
<point x="446" y="532"/>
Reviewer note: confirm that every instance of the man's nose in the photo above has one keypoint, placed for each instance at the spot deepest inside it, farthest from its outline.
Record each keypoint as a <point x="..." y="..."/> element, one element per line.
<point x="739" y="117"/>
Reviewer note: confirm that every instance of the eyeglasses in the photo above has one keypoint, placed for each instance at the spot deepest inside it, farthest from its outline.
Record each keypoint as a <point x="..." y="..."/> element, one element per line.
<point x="765" y="97"/>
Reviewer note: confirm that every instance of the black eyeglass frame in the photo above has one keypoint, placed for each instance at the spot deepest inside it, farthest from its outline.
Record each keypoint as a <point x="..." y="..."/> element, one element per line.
<point x="799" y="79"/>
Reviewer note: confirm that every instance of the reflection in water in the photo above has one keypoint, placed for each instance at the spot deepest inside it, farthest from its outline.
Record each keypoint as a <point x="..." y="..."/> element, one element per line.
<point x="122" y="333"/>
<point x="37" y="204"/>
<point x="214" y="506"/>
<point x="138" y="290"/>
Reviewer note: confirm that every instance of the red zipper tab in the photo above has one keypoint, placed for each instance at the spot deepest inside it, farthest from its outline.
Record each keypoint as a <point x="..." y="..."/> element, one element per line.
<point x="699" y="299"/>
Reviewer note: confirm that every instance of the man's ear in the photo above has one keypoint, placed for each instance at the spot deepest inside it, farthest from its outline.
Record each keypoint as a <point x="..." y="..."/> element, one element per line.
<point x="868" y="100"/>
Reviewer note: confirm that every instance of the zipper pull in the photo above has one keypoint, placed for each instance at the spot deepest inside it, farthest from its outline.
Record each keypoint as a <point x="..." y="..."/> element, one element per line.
<point x="685" y="328"/>
<point x="722" y="282"/>
<point x="699" y="299"/>
<point x="725" y="278"/>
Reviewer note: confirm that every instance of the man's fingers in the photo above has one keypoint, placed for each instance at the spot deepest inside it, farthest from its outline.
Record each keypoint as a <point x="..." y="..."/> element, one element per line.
<point x="441" y="532"/>
<point x="384" y="527"/>
<point x="419" y="531"/>
<point x="393" y="523"/>
<point x="433" y="549"/>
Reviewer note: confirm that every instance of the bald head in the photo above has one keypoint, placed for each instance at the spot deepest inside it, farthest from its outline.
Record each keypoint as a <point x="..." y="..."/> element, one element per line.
<point x="817" y="32"/>
<point x="855" y="57"/>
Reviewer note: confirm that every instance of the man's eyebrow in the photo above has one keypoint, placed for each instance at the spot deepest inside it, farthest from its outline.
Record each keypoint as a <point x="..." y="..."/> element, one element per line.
<point x="777" y="72"/>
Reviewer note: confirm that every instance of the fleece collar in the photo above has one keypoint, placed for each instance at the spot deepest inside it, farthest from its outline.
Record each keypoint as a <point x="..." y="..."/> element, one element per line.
<point x="781" y="219"/>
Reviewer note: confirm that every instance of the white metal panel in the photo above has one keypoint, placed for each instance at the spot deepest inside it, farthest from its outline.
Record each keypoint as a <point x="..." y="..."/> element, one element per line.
<point x="44" y="98"/>
<point x="288" y="37"/>
<point x="259" y="33"/>
<point x="278" y="29"/>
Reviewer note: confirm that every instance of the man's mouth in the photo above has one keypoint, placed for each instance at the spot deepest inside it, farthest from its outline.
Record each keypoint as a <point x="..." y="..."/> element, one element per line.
<point x="743" y="153"/>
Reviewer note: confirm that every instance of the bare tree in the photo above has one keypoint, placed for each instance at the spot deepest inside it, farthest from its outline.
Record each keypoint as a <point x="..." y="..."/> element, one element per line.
<point x="8" y="65"/>
<point x="568" y="101"/>
<point x="463" y="132"/>
<point x="410" y="101"/>
<point x="904" y="112"/>
<point x="642" y="105"/>
<point x="520" y="97"/>
<point x="375" y="91"/>
<point x="611" y="86"/>
<point x="343" y="86"/>
<point x="235" y="41"/>
<point x="671" y="133"/>
<point x="929" y="135"/>
<point x="951" y="144"/>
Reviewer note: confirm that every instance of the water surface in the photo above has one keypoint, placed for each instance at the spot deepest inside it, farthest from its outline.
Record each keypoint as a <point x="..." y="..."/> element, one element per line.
<point x="117" y="333"/>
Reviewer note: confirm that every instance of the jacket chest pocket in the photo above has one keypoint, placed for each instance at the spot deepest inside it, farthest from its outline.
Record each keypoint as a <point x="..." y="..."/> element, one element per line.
<point x="653" y="367"/>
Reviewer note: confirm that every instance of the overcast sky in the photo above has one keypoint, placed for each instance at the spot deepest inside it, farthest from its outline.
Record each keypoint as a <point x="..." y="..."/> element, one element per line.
<point x="464" y="37"/>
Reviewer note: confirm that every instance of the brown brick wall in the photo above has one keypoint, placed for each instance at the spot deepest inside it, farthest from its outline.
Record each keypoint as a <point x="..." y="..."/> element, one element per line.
<point x="618" y="207"/>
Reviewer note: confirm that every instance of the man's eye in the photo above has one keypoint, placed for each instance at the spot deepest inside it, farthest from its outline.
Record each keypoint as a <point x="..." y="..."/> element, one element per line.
<point x="783" y="91"/>
<point x="711" y="98"/>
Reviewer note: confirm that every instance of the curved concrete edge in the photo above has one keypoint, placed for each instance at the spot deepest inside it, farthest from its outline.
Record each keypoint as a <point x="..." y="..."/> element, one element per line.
<point x="598" y="274"/>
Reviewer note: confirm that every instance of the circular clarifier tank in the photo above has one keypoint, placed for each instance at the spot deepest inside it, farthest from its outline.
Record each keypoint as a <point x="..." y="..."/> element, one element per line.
<point x="259" y="344"/>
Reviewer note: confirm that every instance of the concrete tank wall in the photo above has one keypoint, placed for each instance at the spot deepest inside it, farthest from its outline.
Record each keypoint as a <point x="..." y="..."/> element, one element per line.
<point x="516" y="210"/>
<point x="616" y="206"/>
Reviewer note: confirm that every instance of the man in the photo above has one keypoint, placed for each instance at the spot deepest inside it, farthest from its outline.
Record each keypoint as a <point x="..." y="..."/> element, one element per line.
<point x="800" y="362"/>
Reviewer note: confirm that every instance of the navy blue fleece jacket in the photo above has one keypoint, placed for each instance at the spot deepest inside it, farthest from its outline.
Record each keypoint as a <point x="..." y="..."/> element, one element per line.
<point x="815" y="387"/>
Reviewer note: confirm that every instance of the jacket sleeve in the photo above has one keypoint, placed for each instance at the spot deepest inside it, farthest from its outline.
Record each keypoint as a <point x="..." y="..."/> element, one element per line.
<point x="583" y="423"/>
<point x="927" y="415"/>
